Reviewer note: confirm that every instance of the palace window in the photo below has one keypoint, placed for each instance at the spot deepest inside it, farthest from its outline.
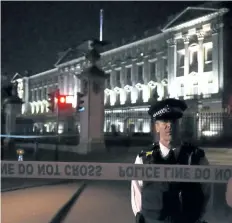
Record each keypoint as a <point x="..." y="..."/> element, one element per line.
<point x="193" y="58"/>
<point x="118" y="72"/>
<point x="140" y="73"/>
<point x="180" y="64"/>
<point x="165" y="67"/>
<point x="208" y="57"/>
<point x="128" y="75"/>
<point x="153" y="68"/>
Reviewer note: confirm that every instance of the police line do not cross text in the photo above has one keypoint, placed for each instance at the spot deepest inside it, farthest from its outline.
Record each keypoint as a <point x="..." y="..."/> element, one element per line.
<point x="116" y="171"/>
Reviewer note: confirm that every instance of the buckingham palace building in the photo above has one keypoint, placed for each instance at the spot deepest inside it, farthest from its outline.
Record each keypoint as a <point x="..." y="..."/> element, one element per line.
<point x="188" y="58"/>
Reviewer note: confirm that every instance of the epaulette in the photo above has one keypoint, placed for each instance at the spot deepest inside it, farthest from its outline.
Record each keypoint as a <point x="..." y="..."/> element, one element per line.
<point x="153" y="148"/>
<point x="145" y="153"/>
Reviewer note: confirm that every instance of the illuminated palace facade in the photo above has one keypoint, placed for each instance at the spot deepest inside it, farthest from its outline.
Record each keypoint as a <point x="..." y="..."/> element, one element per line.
<point x="184" y="60"/>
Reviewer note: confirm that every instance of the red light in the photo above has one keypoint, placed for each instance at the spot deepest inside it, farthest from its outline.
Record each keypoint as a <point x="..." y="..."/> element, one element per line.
<point x="62" y="100"/>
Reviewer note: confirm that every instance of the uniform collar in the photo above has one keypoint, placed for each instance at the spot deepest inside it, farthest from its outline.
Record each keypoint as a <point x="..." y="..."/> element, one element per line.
<point x="164" y="150"/>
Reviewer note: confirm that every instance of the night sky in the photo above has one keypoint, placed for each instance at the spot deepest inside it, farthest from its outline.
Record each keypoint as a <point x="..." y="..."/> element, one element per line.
<point x="34" y="32"/>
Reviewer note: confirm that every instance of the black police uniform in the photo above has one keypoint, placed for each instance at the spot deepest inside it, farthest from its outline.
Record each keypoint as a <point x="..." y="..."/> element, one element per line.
<point x="172" y="202"/>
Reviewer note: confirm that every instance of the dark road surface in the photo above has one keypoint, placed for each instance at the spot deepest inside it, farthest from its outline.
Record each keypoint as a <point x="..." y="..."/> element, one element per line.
<point x="100" y="202"/>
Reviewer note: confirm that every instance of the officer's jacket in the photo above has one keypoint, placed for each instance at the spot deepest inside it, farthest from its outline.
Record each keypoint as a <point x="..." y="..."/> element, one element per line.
<point x="161" y="201"/>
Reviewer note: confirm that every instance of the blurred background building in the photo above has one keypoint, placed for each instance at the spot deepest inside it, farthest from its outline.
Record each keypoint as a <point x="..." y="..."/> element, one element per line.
<point x="188" y="58"/>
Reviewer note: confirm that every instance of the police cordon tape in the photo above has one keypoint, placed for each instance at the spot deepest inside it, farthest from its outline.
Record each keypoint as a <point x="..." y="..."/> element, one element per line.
<point x="116" y="171"/>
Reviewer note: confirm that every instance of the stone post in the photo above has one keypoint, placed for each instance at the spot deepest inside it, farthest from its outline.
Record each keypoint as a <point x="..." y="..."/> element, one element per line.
<point x="92" y="118"/>
<point x="12" y="107"/>
<point x="171" y="67"/>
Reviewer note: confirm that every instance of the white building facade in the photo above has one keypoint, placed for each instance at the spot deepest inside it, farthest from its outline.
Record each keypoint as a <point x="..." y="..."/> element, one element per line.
<point x="184" y="60"/>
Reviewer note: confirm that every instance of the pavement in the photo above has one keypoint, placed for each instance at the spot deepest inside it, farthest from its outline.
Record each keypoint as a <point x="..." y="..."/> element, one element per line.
<point x="100" y="201"/>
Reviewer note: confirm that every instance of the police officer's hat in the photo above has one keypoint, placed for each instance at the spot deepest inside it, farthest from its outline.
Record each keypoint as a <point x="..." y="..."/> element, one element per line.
<point x="168" y="109"/>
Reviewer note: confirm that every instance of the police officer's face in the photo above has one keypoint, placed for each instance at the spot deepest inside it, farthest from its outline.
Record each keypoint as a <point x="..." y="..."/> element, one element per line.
<point x="164" y="128"/>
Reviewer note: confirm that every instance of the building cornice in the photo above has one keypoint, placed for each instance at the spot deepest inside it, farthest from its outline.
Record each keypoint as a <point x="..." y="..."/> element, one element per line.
<point x="44" y="73"/>
<point x="116" y="50"/>
<point x="199" y="20"/>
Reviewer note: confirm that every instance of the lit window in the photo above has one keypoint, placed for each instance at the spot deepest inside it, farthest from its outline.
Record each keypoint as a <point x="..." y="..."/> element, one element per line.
<point x="208" y="57"/>
<point x="193" y="58"/>
<point x="180" y="64"/>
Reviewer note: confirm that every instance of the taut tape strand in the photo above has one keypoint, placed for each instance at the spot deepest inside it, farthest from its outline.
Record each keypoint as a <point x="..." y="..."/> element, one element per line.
<point x="116" y="171"/>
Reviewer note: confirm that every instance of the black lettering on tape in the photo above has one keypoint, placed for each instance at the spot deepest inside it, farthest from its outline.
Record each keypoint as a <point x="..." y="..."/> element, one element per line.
<point x="227" y="174"/>
<point x="75" y="170"/>
<point x="49" y="169"/>
<point x="178" y="173"/>
<point x="29" y="169"/>
<point x="98" y="172"/>
<point x="206" y="173"/>
<point x="137" y="170"/>
<point x="186" y="173"/>
<point x="168" y="172"/>
<point x="91" y="170"/>
<point x="223" y="174"/>
<point x="156" y="172"/>
<point x="67" y="170"/>
<point x="148" y="172"/>
<point x="7" y="169"/>
<point x="198" y="174"/>
<point x="122" y="172"/>
<point x="41" y="169"/>
<point x="21" y="168"/>
<point x="129" y="171"/>
<point x="83" y="170"/>
<point x="57" y="170"/>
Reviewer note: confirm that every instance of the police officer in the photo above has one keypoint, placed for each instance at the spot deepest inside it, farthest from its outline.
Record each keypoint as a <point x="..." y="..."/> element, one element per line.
<point x="164" y="202"/>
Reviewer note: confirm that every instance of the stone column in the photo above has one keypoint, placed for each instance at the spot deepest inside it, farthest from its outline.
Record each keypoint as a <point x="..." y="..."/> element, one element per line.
<point x="160" y="70"/>
<point x="186" y="64"/>
<point x="171" y="67"/>
<point x="215" y="56"/>
<point x="134" y="78"/>
<point x="122" y="83"/>
<point x="221" y="54"/>
<point x="200" y="37"/>
<point x="146" y="71"/>
<point x="92" y="118"/>
<point x="201" y="84"/>
<point x="13" y="106"/>
<point x="26" y="94"/>
<point x="65" y="83"/>
<point x="75" y="90"/>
